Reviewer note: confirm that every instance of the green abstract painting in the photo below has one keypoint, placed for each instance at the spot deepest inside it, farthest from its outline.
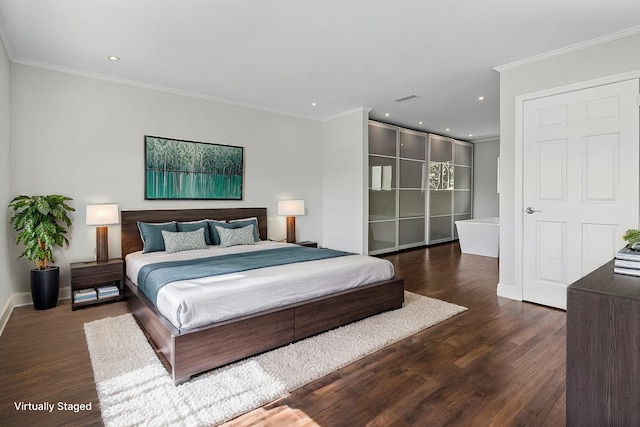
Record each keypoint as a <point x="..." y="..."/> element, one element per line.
<point x="176" y="169"/>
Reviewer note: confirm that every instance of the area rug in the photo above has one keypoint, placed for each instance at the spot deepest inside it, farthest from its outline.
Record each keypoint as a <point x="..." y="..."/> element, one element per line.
<point x="134" y="388"/>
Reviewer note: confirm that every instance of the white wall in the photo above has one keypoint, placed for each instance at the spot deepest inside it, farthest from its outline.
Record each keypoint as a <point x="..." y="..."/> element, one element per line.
<point x="485" y="179"/>
<point x="83" y="137"/>
<point x="606" y="59"/>
<point x="6" y="284"/>
<point x="344" y="181"/>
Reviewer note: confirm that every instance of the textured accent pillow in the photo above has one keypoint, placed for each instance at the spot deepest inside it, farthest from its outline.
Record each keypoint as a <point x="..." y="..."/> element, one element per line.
<point x="193" y="226"/>
<point x="184" y="241"/>
<point x="236" y="236"/>
<point x="151" y="235"/>
<point x="214" y="238"/>
<point x="246" y="221"/>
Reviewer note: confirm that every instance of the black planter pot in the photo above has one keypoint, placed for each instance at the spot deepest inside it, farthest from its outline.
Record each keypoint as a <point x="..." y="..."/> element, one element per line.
<point x="45" y="285"/>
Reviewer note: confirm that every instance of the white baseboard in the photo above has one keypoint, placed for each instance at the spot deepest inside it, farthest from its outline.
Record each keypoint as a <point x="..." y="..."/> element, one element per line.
<point x="15" y="300"/>
<point x="509" y="291"/>
<point x="20" y="299"/>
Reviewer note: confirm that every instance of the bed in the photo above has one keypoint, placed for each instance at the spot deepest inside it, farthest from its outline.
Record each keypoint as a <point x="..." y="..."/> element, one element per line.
<point x="188" y="351"/>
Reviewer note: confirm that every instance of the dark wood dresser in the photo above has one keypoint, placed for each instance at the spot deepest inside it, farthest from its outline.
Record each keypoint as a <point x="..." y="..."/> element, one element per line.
<point x="603" y="350"/>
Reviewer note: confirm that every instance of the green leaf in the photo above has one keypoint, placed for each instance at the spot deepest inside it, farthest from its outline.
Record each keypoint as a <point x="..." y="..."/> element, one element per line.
<point x="40" y="219"/>
<point x="632" y="236"/>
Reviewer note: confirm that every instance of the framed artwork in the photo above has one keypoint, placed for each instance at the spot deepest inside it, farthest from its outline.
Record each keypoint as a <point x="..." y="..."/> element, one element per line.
<point x="176" y="169"/>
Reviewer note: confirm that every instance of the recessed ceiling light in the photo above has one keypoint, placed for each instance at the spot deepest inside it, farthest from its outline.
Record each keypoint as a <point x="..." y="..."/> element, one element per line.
<point x="419" y="123"/>
<point x="313" y="104"/>
<point x="470" y="134"/>
<point x="481" y="98"/>
<point x="447" y="129"/>
<point x="386" y="114"/>
<point x="114" y="58"/>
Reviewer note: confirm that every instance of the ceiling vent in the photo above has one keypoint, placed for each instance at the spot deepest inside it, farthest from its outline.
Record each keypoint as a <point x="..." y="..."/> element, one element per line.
<point x="406" y="99"/>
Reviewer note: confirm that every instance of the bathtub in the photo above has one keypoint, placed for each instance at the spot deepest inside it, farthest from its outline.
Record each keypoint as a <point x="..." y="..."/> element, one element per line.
<point x="479" y="236"/>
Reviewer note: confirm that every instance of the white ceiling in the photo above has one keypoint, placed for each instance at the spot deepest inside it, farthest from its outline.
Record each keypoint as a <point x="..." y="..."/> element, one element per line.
<point x="282" y="55"/>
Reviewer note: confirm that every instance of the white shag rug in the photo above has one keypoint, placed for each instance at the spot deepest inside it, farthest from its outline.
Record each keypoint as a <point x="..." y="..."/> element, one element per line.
<point x="134" y="388"/>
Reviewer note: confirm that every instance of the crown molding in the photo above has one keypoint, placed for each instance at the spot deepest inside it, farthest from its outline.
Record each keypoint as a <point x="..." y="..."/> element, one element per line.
<point x="5" y="40"/>
<point x="487" y="139"/>
<point x="568" y="49"/>
<point x="135" y="83"/>
<point x="345" y="113"/>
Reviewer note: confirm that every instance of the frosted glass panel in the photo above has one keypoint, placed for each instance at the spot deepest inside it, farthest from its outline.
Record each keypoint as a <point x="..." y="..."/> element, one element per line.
<point x="440" y="203"/>
<point x="411" y="174"/>
<point x="382" y="235"/>
<point x="382" y="205"/>
<point x="461" y="217"/>
<point x="411" y="231"/>
<point x="440" y="150"/>
<point x="412" y="146"/>
<point x="440" y="228"/>
<point x="411" y="203"/>
<point x="462" y="202"/>
<point x="463" y="178"/>
<point x="382" y="141"/>
<point x="382" y="173"/>
<point x="463" y="154"/>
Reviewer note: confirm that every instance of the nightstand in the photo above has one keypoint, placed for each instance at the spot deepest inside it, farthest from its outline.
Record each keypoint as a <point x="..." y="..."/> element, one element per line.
<point x="308" y="244"/>
<point x="96" y="281"/>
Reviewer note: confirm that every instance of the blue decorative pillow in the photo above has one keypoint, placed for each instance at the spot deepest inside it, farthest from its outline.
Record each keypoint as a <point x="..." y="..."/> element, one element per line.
<point x="246" y="221"/>
<point x="236" y="236"/>
<point x="214" y="238"/>
<point x="194" y="225"/>
<point x="151" y="235"/>
<point x="184" y="241"/>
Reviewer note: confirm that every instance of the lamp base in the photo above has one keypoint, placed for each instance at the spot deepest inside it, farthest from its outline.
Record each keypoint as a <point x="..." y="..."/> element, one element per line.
<point x="102" y="243"/>
<point x="291" y="229"/>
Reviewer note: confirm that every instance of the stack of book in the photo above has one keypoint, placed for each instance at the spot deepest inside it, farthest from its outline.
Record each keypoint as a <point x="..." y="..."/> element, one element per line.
<point x="108" y="291"/>
<point x="82" y="295"/>
<point x="627" y="262"/>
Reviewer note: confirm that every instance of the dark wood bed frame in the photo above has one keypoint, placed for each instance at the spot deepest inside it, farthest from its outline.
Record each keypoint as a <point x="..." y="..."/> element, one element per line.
<point x="190" y="352"/>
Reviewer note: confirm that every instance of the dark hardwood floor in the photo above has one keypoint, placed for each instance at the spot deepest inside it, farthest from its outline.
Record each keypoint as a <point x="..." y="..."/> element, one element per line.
<point x="500" y="363"/>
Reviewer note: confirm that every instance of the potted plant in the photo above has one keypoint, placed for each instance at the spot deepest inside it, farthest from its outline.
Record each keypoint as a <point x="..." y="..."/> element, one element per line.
<point x="41" y="223"/>
<point x="632" y="237"/>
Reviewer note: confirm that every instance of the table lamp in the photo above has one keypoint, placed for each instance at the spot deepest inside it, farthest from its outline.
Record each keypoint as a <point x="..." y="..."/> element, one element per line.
<point x="291" y="209"/>
<point x="102" y="215"/>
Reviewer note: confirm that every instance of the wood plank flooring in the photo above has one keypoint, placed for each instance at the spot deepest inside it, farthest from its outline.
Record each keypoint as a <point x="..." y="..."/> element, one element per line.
<point x="501" y="363"/>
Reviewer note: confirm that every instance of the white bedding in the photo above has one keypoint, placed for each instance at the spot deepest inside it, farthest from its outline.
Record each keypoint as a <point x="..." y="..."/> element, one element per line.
<point x="198" y="302"/>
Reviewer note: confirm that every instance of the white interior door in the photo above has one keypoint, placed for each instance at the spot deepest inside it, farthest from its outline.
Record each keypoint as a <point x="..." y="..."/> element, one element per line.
<point x="580" y="185"/>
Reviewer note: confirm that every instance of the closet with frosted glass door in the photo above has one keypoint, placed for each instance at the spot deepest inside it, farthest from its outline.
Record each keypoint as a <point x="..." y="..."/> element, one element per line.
<point x="412" y="170"/>
<point x="450" y="186"/>
<point x="414" y="196"/>
<point x="397" y="188"/>
<point x="382" y="191"/>
<point x="462" y="183"/>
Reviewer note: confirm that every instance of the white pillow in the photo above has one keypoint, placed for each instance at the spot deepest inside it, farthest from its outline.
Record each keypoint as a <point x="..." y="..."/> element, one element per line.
<point x="236" y="236"/>
<point x="184" y="240"/>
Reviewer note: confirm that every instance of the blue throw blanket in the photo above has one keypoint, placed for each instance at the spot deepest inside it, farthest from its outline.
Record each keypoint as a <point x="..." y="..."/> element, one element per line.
<point x="152" y="277"/>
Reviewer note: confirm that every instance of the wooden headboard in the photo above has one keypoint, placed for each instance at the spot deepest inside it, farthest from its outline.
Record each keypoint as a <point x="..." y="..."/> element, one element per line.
<point x="130" y="235"/>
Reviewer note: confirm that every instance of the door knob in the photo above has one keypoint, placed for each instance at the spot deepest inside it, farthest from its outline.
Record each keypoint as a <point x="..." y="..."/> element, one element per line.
<point x="530" y="210"/>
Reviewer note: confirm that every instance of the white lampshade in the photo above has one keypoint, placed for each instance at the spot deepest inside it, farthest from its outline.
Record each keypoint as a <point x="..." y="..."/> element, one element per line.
<point x="290" y="207"/>
<point x="103" y="214"/>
